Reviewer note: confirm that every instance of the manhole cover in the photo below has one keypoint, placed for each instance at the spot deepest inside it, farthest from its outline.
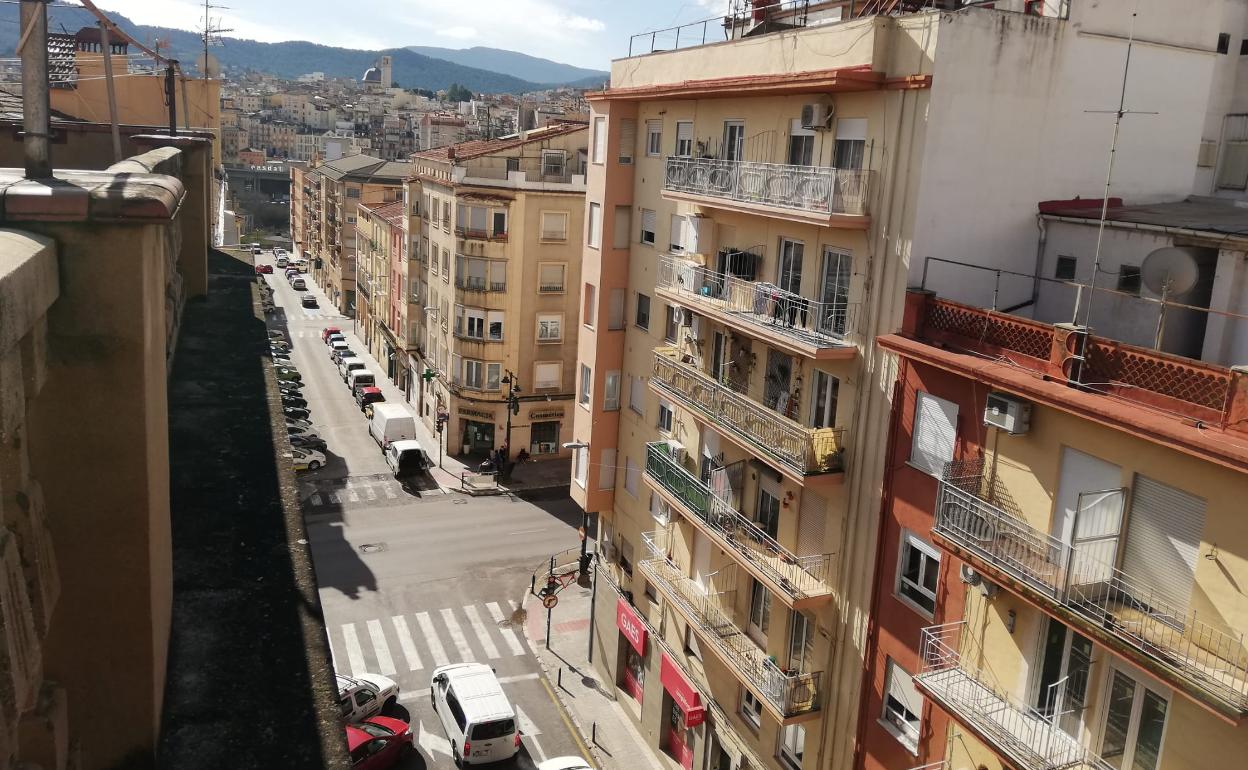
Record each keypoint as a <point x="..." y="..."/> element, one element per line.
<point x="372" y="548"/>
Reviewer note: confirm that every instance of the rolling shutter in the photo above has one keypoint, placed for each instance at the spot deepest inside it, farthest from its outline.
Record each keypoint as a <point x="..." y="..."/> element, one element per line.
<point x="1163" y="540"/>
<point x="814" y="511"/>
<point x="935" y="431"/>
<point x="628" y="140"/>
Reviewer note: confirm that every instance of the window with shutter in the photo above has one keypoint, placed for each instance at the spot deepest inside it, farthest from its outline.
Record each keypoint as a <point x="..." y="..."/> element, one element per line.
<point x="649" y="223"/>
<point x="935" y="430"/>
<point x="684" y="138"/>
<point x="554" y="225"/>
<point x="547" y="374"/>
<point x="628" y="140"/>
<point x="606" y="469"/>
<point x="677" y="236"/>
<point x="594" y="234"/>
<point x="903" y="706"/>
<point x="1164" y="531"/>
<point x="550" y="278"/>
<point x="600" y="140"/>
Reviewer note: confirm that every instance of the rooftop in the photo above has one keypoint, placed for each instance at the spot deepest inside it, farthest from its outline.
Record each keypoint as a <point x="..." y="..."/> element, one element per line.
<point x="1218" y="217"/>
<point x="365" y="168"/>
<point x="477" y="148"/>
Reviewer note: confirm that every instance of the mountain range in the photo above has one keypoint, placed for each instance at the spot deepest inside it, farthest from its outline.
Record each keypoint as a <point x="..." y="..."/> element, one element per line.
<point x="478" y="69"/>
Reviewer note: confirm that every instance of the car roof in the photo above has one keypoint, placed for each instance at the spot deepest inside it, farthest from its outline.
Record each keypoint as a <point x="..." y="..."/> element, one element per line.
<point x="370" y="389"/>
<point x="356" y="738"/>
<point x="403" y="445"/>
<point x="479" y="692"/>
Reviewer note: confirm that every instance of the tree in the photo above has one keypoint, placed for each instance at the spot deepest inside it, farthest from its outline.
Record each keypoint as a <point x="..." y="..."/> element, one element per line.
<point x="458" y="93"/>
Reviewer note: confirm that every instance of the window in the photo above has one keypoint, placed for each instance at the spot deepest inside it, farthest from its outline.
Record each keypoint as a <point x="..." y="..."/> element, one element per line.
<point x="651" y="593"/>
<point x="691" y="642"/>
<point x="671" y="326"/>
<point x="590" y="311"/>
<point x="676" y="235"/>
<point x="792" y="745"/>
<point x="580" y="465"/>
<point x="494" y="326"/>
<point x="474" y="374"/>
<point x="935" y="431"/>
<point x="626" y="556"/>
<point x="498" y="225"/>
<point x="1066" y="267"/>
<point x="611" y="391"/>
<point x="823" y="403"/>
<point x="751" y="708"/>
<point x="665" y="416"/>
<point x="549" y="327"/>
<point x="606" y="469"/>
<point x="1233" y="174"/>
<point x="648" y="221"/>
<point x="684" y="139"/>
<point x="801" y="144"/>
<point x="550" y="278"/>
<point x="1135" y="720"/>
<point x="593" y="235"/>
<point x="903" y="706"/>
<point x="554" y="225"/>
<point x="446" y="214"/>
<point x="586" y="376"/>
<point x="637" y="395"/>
<point x="470" y="322"/>
<point x="654" y="137"/>
<point x="615" y="309"/>
<point x="632" y="476"/>
<point x="1207" y="154"/>
<point x="623" y="227"/>
<point x="628" y="140"/>
<point x="760" y="612"/>
<point x="850" y="147"/>
<point x="547" y="374"/>
<point x="734" y="140"/>
<point x="660" y="509"/>
<point x="600" y="140"/>
<point x="1224" y="42"/>
<point x="354" y="192"/>
<point x="1243" y="47"/>
<point x="642" y="316"/>
<point x="1129" y="279"/>
<point x="918" y="570"/>
<point x="554" y="162"/>
<point x="493" y="376"/>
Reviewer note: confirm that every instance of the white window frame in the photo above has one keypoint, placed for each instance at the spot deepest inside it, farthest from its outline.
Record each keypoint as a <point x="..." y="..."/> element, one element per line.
<point x="550" y="288"/>
<point x="546" y="384"/>
<point x="788" y="750"/>
<point x="654" y="138"/>
<point x="931" y="460"/>
<point x="471" y="364"/>
<point x="667" y="417"/>
<point x="600" y="141"/>
<point x="751" y="708"/>
<point x="637" y="306"/>
<point x="644" y="236"/>
<point x="549" y="327"/>
<point x="930" y="561"/>
<point x="895" y="723"/>
<point x="585" y="386"/>
<point x="611" y="391"/>
<point x="637" y="395"/>
<point x="593" y="235"/>
<point x="558" y="233"/>
<point x="554" y="162"/>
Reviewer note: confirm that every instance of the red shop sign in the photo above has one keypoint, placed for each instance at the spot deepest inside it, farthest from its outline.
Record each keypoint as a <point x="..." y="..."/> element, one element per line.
<point x="682" y="691"/>
<point x="630" y="625"/>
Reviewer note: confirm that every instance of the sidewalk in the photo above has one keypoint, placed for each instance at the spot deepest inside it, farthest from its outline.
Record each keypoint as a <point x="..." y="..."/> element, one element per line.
<point x="609" y="732"/>
<point x="527" y="477"/>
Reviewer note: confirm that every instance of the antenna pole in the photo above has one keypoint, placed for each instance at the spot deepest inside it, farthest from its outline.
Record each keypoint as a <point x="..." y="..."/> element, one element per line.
<point x="106" y="44"/>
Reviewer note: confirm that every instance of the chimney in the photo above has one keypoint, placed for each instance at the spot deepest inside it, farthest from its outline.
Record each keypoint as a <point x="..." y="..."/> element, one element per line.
<point x="450" y="153"/>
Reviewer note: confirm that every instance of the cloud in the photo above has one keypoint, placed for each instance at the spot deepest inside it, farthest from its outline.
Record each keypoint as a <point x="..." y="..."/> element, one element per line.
<point x="460" y="33"/>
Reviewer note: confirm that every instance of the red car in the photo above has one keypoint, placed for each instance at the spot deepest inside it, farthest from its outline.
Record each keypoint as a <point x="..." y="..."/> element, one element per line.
<point x="264" y="269"/>
<point x="378" y="742"/>
<point x="328" y="330"/>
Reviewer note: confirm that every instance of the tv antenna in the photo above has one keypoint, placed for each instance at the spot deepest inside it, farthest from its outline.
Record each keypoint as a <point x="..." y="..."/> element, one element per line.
<point x="211" y="35"/>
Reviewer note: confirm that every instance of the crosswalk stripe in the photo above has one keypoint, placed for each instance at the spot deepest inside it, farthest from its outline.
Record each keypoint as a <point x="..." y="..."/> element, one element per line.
<point x="406" y="644"/>
<point x="457" y="636"/>
<point x="355" y="655"/>
<point x="333" y="654"/>
<point x="478" y="627"/>
<point x="353" y="496"/>
<point x="333" y="497"/>
<point x="509" y="636"/>
<point x="370" y="493"/>
<point x="390" y="493"/>
<point x="431" y="638"/>
<point x="385" y="663"/>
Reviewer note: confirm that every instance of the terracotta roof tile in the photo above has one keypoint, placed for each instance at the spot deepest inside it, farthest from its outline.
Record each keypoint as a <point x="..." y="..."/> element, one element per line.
<point x="475" y="148"/>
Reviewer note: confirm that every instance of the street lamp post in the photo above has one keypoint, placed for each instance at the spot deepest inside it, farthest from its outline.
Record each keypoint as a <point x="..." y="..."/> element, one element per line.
<point x="513" y="407"/>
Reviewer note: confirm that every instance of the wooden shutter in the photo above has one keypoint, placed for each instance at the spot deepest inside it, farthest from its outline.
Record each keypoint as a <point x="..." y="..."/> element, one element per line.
<point x="1163" y="540"/>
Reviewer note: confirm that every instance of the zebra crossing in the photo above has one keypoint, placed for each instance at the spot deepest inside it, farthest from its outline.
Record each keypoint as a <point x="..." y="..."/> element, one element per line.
<point x="424" y="640"/>
<point x="374" y="490"/>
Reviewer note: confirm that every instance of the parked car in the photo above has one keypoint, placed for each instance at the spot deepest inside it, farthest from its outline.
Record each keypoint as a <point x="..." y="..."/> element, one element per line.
<point x="297" y="412"/>
<point x="348" y="365"/>
<point x="288" y="373"/>
<point x="338" y="355"/>
<point x="255" y="251"/>
<point x="293" y="400"/>
<point x="277" y="334"/>
<point x="290" y="386"/>
<point x="307" y="459"/>
<point x="313" y="442"/>
<point x="565" y="763"/>
<point x="264" y="269"/>
<point x="298" y="284"/>
<point x="279" y="345"/>
<point x="309" y="300"/>
<point x="369" y="395"/>
<point x="335" y="337"/>
<point x="365" y="695"/>
<point x="281" y="261"/>
<point x="405" y="458"/>
<point x="391" y="422"/>
<point x="328" y="330"/>
<point x="379" y="743"/>
<point x="280" y="356"/>
<point x="360" y="379"/>
<point x="302" y="431"/>
<point x="475" y="713"/>
<point x="295" y="422"/>
<point x="338" y="347"/>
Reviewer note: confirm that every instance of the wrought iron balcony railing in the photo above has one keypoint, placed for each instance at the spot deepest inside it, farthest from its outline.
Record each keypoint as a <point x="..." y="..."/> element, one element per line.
<point x="763" y="306"/>
<point x="958" y="682"/>
<point x="812" y="189"/>
<point x="478" y="283"/>
<point x="799" y="577"/>
<point x="1085" y="580"/>
<point x="789" y="693"/>
<point x="771" y="434"/>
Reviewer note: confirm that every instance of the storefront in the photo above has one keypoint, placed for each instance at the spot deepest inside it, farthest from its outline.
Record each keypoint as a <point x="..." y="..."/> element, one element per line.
<point x="632" y="651"/>
<point x="476" y="431"/>
<point x="682" y="710"/>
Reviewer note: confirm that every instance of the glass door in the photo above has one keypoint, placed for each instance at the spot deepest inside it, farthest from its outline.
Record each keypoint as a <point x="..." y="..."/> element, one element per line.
<point x="768" y="513"/>
<point x="823" y="400"/>
<point x="801" y="642"/>
<point x="734" y="140"/>
<point x="789" y="277"/>
<point x="760" y="612"/>
<point x="834" y="291"/>
<point x="1062" y="687"/>
<point x="1135" y="719"/>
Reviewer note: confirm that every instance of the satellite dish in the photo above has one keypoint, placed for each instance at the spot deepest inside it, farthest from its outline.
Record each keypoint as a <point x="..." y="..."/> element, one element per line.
<point x="1170" y="270"/>
<point x="208" y="65"/>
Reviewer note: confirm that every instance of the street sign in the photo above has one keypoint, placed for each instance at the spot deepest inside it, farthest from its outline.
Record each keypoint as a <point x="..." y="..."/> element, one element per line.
<point x="550" y="601"/>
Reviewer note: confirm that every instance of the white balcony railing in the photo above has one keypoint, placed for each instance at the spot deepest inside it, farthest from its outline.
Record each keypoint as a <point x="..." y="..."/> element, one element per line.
<point x="811" y="189"/>
<point x="763" y="305"/>
<point x="954" y="675"/>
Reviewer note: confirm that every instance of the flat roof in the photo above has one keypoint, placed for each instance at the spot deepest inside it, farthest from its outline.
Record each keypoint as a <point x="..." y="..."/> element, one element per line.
<point x="1218" y="217"/>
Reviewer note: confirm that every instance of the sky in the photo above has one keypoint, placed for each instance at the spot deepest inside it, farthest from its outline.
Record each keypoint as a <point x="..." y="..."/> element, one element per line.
<point x="586" y="33"/>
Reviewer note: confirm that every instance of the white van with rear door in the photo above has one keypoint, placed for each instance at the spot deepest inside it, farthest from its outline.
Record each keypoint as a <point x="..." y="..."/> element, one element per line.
<point x="476" y="715"/>
<point x="391" y="422"/>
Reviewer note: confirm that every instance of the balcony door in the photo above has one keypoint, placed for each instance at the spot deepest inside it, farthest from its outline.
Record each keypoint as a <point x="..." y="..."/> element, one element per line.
<point x="834" y="290"/>
<point x="760" y="612"/>
<point x="823" y="400"/>
<point x="776" y="383"/>
<point x="789" y="275"/>
<point x="1062" y="686"/>
<point x="734" y="140"/>
<point x="801" y="144"/>
<point x="701" y="561"/>
<point x="1135" y="721"/>
<point x="801" y="642"/>
<point x="1088" y="515"/>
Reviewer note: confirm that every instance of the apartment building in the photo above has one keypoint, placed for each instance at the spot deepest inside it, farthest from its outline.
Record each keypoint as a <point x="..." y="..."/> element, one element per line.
<point x="381" y="281"/>
<point x="441" y="130"/>
<point x="328" y="195"/>
<point x="756" y="208"/>
<point x="495" y="226"/>
<point x="1061" y="534"/>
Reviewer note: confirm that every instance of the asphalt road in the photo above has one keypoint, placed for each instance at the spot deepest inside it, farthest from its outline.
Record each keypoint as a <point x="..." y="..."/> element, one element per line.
<point x="413" y="578"/>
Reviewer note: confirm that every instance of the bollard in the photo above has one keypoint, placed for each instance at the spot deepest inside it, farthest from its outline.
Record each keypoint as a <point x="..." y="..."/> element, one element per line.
<point x="559" y="678"/>
<point x="593" y="734"/>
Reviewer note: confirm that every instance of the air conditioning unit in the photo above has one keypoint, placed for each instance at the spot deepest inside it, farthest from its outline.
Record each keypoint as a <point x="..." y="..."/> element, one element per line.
<point x="817" y="115"/>
<point x="677" y="451"/>
<point x="1008" y="413"/>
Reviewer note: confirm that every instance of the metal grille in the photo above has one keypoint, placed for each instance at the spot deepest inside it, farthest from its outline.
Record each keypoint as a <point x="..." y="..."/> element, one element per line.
<point x="1110" y="362"/>
<point x="996" y="330"/>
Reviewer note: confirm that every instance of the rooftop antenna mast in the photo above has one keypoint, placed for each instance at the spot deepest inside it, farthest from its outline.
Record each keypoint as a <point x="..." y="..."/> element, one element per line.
<point x="211" y="35"/>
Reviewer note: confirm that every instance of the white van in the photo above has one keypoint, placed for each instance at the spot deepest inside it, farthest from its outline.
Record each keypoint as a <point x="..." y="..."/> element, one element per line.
<point x="475" y="714"/>
<point x="362" y="378"/>
<point x="406" y="458"/>
<point x="391" y="422"/>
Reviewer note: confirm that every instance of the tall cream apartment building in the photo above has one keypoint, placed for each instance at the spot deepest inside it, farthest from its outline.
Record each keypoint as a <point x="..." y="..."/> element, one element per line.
<point x="756" y="207"/>
<point x="495" y="227"/>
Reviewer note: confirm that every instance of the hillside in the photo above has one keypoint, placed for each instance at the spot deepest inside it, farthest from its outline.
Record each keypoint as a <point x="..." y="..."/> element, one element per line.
<point x="523" y="66"/>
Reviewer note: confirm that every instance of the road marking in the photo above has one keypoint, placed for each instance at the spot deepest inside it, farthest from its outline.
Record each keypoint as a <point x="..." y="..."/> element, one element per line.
<point x="528" y="531"/>
<point x="355" y="655"/>
<point x="406" y="644"/>
<point x="478" y="627"/>
<point x="385" y="663"/>
<point x="526" y="725"/>
<point x="411" y="695"/>
<point x="333" y="655"/>
<point x="431" y="638"/>
<point x="352" y="496"/>
<point x="457" y="636"/>
<point x="576" y="734"/>
<point x="390" y="493"/>
<point x="509" y="636"/>
<point x="370" y="493"/>
<point x="432" y="743"/>
<point x="541" y="753"/>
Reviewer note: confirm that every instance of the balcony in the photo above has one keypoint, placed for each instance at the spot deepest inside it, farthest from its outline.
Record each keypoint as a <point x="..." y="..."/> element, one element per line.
<point x="478" y="283"/>
<point x="961" y="685"/>
<point x="811" y="194"/>
<point x="798" y="450"/>
<point x="799" y="581"/>
<point x="481" y="234"/>
<point x="786" y="694"/>
<point x="782" y="319"/>
<point x="1082" y="584"/>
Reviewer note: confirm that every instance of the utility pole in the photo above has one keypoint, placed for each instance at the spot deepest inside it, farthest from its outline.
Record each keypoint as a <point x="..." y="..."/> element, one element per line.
<point x="171" y="96"/>
<point x="32" y="47"/>
<point x="107" y="47"/>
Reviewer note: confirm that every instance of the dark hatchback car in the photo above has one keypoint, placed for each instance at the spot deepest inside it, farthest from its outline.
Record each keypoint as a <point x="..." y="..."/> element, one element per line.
<point x="369" y="395"/>
<point x="296" y="412"/>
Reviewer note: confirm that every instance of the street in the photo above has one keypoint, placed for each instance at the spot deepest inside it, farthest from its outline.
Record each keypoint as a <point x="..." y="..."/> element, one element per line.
<point x="413" y="578"/>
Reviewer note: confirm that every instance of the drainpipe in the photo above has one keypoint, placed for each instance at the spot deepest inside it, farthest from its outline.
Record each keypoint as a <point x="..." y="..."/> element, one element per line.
<point x="36" y="110"/>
